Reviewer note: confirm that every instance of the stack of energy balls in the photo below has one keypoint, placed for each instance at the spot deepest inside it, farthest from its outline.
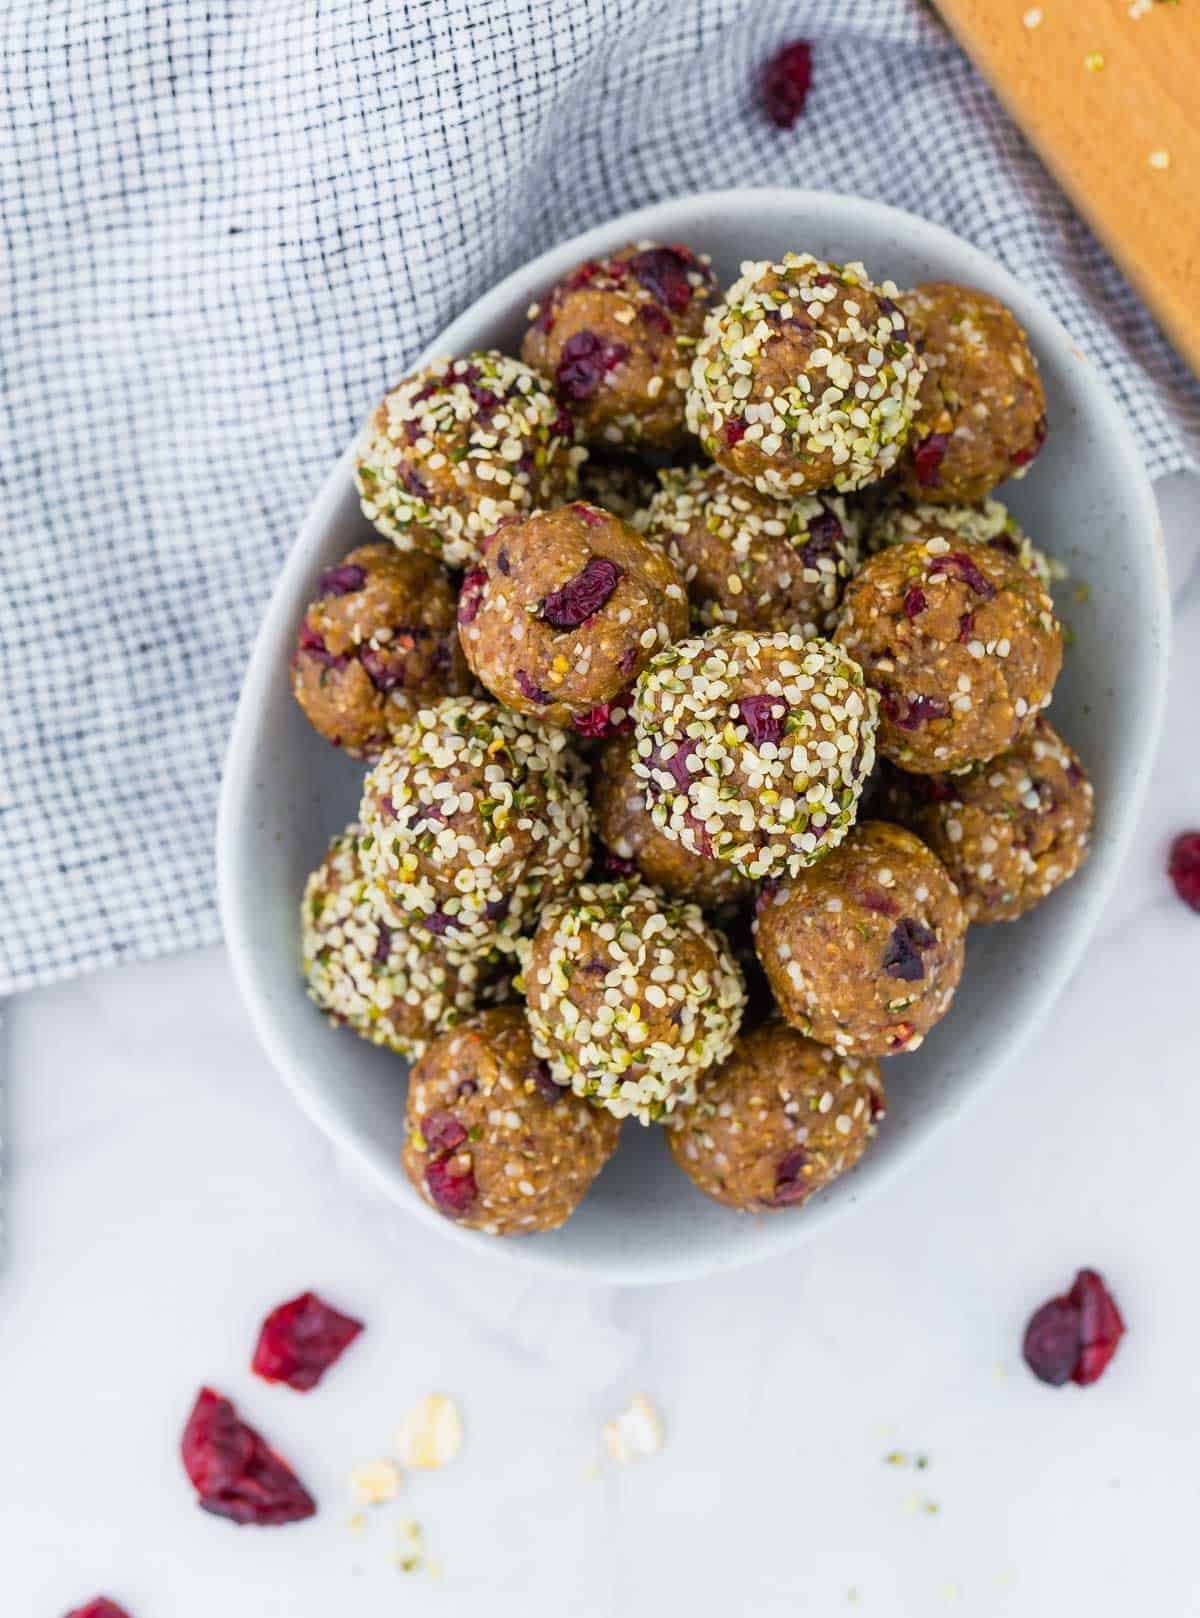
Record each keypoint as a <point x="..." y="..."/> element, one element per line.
<point x="713" y="558"/>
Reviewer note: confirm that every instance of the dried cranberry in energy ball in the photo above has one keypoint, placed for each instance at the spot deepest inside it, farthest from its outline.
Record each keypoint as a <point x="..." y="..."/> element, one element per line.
<point x="988" y="522"/>
<point x="1009" y="831"/>
<point x="631" y="996"/>
<point x="778" y="1120"/>
<point x="564" y="611"/>
<point x="452" y="451"/>
<point x="960" y="642"/>
<point x="493" y="1143"/>
<point x="617" y="335"/>
<point x="754" y="748"/>
<point x="470" y="822"/>
<point x="625" y="825"/>
<point x="805" y="377"/>
<point x="864" y="951"/>
<point x="749" y="559"/>
<point x="396" y="986"/>
<point x="981" y="415"/>
<point x="379" y="638"/>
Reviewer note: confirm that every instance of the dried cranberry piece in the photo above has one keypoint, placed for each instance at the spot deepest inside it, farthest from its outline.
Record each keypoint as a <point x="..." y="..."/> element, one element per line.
<point x="385" y="666"/>
<point x="313" y="645"/>
<point x="915" y="602"/>
<point x="543" y="1082"/>
<point x="437" y="921"/>
<point x="234" y="1472"/>
<point x="442" y="1131"/>
<point x="529" y="688"/>
<point x="824" y="537"/>
<point x="958" y="565"/>
<point x="1075" y="776"/>
<point x="614" y="866"/>
<point x="663" y="271"/>
<point x="927" y="459"/>
<point x="470" y="593"/>
<point x="875" y="899"/>
<point x="966" y="627"/>
<point x="563" y="425"/>
<point x="497" y="909"/>
<point x="502" y="561"/>
<point x="1072" y="1338"/>
<point x="735" y="431"/>
<point x="343" y="580"/>
<point x="1024" y="456"/>
<point x="300" y="1340"/>
<point x="581" y="275"/>
<point x="1183" y="866"/>
<point x="902" y="958"/>
<point x="785" y="83"/>
<point x="765" y="894"/>
<point x="413" y="430"/>
<point x="651" y="315"/>
<point x="584" y="362"/>
<point x="590" y="515"/>
<point x="676" y="765"/>
<point x="98" y="1607"/>
<point x="451" y="1186"/>
<point x="764" y="717"/>
<point x="911" y="713"/>
<point x="413" y="482"/>
<point x="790" y="1185"/>
<point x="629" y="657"/>
<point x="595" y="722"/>
<point x="383" y="945"/>
<point x="581" y="597"/>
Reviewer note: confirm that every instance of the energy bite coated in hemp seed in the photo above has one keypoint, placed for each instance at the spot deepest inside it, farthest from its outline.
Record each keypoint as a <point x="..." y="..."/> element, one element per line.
<point x="625" y="826"/>
<point x="631" y="996"/>
<point x="564" y="611"/>
<point x="779" y="1119"/>
<point x="864" y="951"/>
<point x="988" y="522"/>
<point x="470" y="821"/>
<point x="396" y="986"/>
<point x="805" y="377"/>
<point x="617" y="335"/>
<point x="754" y="748"/>
<point x="1009" y="831"/>
<point x="379" y="639"/>
<point x="962" y="645"/>
<point x="749" y="559"/>
<point x="493" y="1143"/>
<point x="981" y="415"/>
<point x="453" y="450"/>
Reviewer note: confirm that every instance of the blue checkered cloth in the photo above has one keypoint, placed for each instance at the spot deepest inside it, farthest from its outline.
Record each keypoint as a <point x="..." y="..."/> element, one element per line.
<point x="226" y="227"/>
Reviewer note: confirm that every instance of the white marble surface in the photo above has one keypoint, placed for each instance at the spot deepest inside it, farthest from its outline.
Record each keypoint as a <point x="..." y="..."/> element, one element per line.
<point x="163" y="1193"/>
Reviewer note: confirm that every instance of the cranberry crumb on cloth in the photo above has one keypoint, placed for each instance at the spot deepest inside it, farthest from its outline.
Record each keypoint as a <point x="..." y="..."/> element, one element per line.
<point x="981" y="414"/>
<point x="864" y="950"/>
<point x="625" y="826"/>
<point x="234" y="1471"/>
<point x="962" y="645"/>
<point x="492" y="1141"/>
<point x="779" y="1119"/>
<point x="470" y="822"/>
<point x="617" y="336"/>
<point x="299" y="1341"/>
<point x="379" y="639"/>
<point x="805" y="377"/>
<point x="564" y="611"/>
<point x="453" y="450"/>
<point x="630" y="996"/>
<point x="749" y="559"/>
<point x="1009" y="831"/>
<point x="754" y="748"/>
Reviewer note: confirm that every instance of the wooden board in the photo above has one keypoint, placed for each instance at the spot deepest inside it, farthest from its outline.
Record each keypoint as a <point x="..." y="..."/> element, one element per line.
<point x="1096" y="127"/>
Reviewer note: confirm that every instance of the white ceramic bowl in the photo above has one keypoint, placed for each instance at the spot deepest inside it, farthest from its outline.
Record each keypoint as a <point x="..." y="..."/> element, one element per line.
<point x="285" y="792"/>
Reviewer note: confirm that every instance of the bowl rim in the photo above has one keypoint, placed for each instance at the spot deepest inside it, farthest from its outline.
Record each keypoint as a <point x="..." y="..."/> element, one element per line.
<point x="658" y="219"/>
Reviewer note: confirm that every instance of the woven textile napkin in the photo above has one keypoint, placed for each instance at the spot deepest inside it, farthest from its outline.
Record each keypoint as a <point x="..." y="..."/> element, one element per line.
<point x="226" y="227"/>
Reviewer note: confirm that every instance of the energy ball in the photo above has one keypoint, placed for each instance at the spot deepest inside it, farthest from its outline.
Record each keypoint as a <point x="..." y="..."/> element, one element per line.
<point x="750" y="559"/>
<point x="778" y="1120"/>
<point x="864" y="951"/>
<point x="988" y="522"/>
<point x="458" y="447"/>
<point x="754" y="748"/>
<point x="617" y="335"/>
<point x="631" y="996"/>
<point x="493" y="1143"/>
<point x="563" y="613"/>
<point x="805" y="377"/>
<point x="396" y="986"/>
<point x="625" y="826"/>
<point x="960" y="642"/>
<point x="471" y="821"/>
<point x="379" y="639"/>
<point x="981" y="414"/>
<point x="1010" y="831"/>
<point x="619" y="484"/>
